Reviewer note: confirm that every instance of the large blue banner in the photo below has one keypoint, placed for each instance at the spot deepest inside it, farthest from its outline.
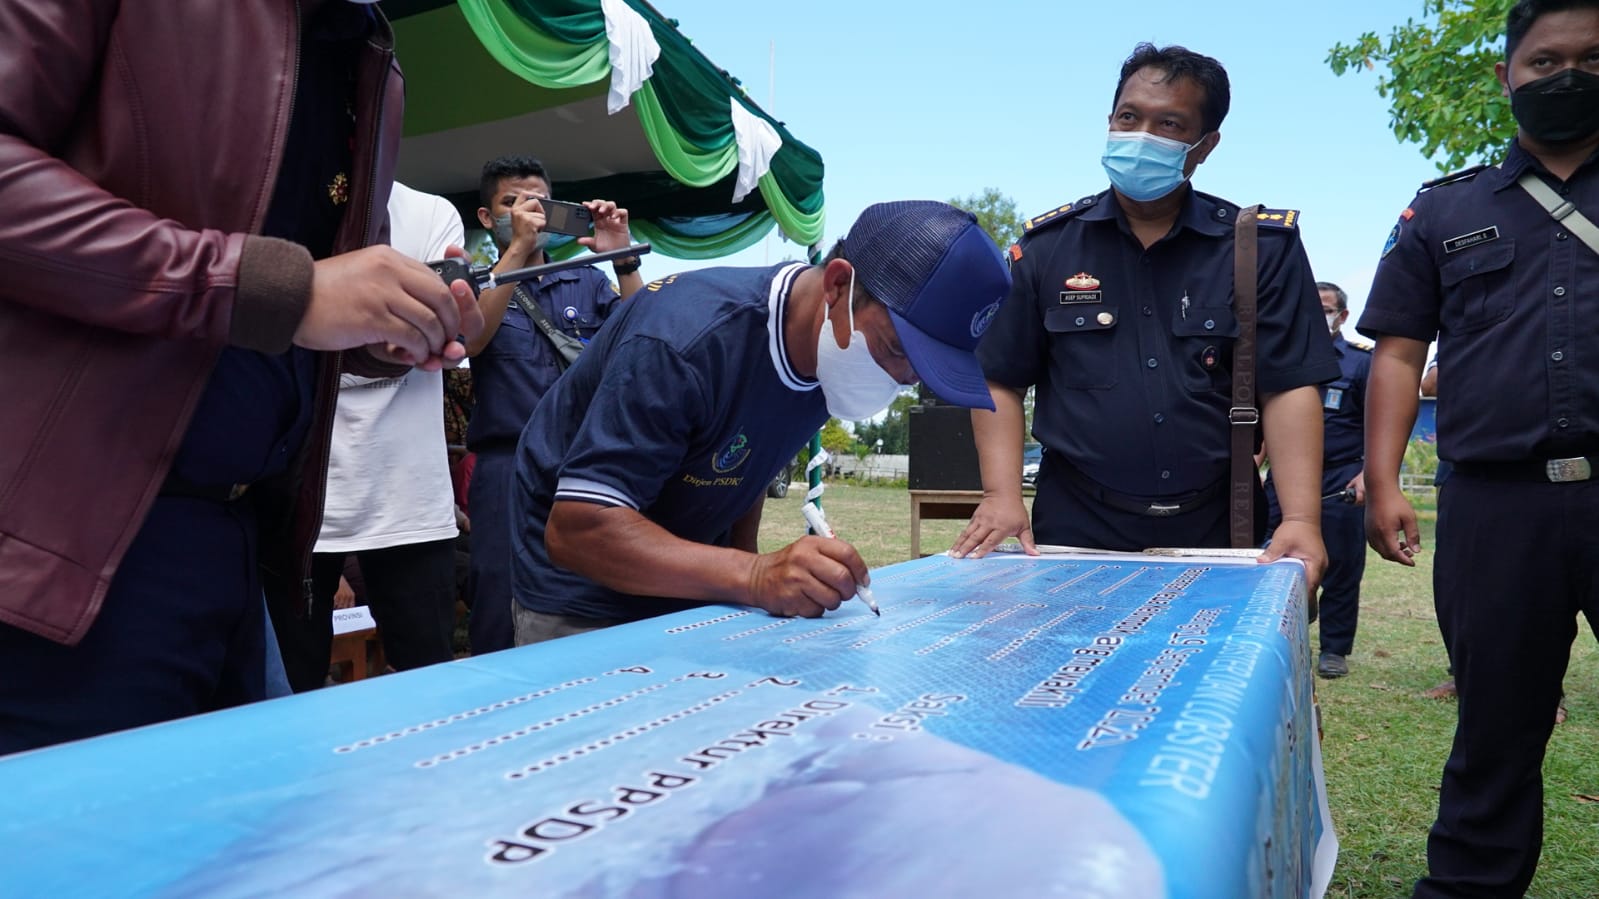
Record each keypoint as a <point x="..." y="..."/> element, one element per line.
<point x="1107" y="726"/>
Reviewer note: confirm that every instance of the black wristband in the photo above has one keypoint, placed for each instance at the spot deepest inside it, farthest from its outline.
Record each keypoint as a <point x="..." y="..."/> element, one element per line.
<point x="626" y="266"/>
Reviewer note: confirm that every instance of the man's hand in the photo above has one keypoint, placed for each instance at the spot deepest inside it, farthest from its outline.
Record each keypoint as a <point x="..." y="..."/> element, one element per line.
<point x="1358" y="482"/>
<point x="1391" y="526"/>
<point x="527" y="223"/>
<point x="996" y="518"/>
<point x="811" y="576"/>
<point x="610" y="227"/>
<point x="1299" y="540"/>
<point x="379" y="298"/>
<point x="344" y="597"/>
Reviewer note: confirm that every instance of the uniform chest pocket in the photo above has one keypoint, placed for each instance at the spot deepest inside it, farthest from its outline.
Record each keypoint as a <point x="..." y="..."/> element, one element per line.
<point x="1203" y="344"/>
<point x="1082" y="346"/>
<point x="514" y="339"/>
<point x="1478" y="291"/>
<point x="579" y="324"/>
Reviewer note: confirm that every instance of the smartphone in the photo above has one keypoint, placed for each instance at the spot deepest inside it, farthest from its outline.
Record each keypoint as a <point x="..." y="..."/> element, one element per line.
<point x="567" y="218"/>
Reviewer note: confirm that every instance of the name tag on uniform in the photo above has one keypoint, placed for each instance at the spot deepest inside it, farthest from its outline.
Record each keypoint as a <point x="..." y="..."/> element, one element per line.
<point x="1073" y="297"/>
<point x="1334" y="400"/>
<point x="1456" y="244"/>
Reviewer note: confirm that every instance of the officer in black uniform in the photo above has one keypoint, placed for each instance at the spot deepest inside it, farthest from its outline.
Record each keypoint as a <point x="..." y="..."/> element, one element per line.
<point x="1343" y="488"/>
<point x="1478" y="261"/>
<point x="1121" y="313"/>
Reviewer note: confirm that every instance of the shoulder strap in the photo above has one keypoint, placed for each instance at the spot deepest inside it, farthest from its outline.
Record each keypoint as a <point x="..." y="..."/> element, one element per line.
<point x="566" y="346"/>
<point x="1560" y="209"/>
<point x="1244" y="416"/>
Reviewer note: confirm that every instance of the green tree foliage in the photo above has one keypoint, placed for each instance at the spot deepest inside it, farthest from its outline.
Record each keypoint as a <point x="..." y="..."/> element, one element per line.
<point x="996" y="213"/>
<point x="835" y="439"/>
<point x="894" y="430"/>
<point x="1439" y="79"/>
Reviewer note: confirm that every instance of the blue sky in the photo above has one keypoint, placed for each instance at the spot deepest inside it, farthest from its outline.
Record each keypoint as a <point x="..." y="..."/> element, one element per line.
<point x="934" y="100"/>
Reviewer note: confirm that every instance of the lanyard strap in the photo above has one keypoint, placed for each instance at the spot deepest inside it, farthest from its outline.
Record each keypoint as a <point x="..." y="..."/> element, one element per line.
<point x="1560" y="209"/>
<point x="1244" y="415"/>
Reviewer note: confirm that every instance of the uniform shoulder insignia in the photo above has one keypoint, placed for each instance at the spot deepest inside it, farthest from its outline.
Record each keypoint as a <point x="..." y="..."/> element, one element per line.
<point x="1462" y="175"/>
<point x="1286" y="219"/>
<point x="1360" y="343"/>
<point x="1059" y="214"/>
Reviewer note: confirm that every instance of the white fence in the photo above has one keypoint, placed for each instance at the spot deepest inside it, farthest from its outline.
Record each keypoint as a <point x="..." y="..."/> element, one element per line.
<point x="872" y="467"/>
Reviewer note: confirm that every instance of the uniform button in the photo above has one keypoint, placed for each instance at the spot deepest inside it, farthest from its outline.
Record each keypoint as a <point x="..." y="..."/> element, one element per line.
<point x="1560" y="291"/>
<point x="1080" y="321"/>
<point x="1160" y="418"/>
<point x="1563" y="422"/>
<point x="1151" y="362"/>
<point x="1210" y="324"/>
<point x="1221" y="213"/>
<point x="1148" y="311"/>
<point x="1165" y="475"/>
<point x="1557" y="355"/>
<point x="1560" y="235"/>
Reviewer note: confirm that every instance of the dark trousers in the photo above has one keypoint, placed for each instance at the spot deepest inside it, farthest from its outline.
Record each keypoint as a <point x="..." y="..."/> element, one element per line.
<point x="1343" y="530"/>
<point x="1515" y="564"/>
<point x="181" y="631"/>
<point x="490" y="501"/>
<point x="1067" y="514"/>
<point x="411" y="592"/>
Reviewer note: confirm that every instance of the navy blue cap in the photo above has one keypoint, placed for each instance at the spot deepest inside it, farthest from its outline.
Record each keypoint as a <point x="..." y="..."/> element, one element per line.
<point x="942" y="278"/>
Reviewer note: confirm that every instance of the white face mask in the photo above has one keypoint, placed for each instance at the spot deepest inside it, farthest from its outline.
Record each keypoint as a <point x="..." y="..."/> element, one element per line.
<point x="1332" y="321"/>
<point x="855" y="386"/>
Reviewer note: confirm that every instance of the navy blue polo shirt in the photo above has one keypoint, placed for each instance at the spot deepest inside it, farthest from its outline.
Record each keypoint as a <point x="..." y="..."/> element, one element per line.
<point x="1513" y="299"/>
<point x="255" y="412"/>
<point x="518" y="366"/>
<point x="683" y="408"/>
<point x="1131" y="349"/>
<point x="1343" y="404"/>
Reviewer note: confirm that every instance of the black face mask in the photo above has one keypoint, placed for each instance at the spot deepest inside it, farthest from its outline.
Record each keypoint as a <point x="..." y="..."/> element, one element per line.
<point x="1560" y="108"/>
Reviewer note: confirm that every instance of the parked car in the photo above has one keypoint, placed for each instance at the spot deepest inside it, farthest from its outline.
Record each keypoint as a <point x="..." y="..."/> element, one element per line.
<point x="1032" y="454"/>
<point x="779" y="486"/>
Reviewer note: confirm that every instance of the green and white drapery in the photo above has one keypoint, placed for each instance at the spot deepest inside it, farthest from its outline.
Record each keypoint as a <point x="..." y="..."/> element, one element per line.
<point x="617" y="102"/>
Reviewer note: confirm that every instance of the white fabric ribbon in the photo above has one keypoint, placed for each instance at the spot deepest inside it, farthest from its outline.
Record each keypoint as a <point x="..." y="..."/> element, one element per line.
<point x="757" y="142"/>
<point x="816" y="462"/>
<point x="633" y="52"/>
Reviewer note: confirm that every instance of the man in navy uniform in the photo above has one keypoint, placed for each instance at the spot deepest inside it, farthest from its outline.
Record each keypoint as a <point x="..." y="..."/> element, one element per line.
<point x="1121" y="313"/>
<point x="1343" y="486"/>
<point x="1480" y="261"/>
<point x="514" y="363"/>
<point x="640" y="478"/>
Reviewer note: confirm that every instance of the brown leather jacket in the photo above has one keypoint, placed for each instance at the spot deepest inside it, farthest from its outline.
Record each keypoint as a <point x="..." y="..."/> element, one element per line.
<point x="139" y="148"/>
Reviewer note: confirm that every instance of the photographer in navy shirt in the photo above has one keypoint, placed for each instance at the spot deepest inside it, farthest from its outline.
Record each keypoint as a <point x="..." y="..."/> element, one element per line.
<point x="640" y="477"/>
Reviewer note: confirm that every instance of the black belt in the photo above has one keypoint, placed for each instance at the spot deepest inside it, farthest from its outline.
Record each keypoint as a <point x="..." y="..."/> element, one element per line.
<point x="1154" y="508"/>
<point x="222" y="493"/>
<point x="1552" y="471"/>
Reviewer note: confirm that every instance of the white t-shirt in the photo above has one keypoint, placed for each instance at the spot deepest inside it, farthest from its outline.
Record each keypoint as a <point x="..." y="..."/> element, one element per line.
<point x="389" y="473"/>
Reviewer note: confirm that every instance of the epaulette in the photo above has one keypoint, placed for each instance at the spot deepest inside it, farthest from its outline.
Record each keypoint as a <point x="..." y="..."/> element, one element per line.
<point x="1360" y="343"/>
<point x="1059" y="214"/>
<point x="1462" y="175"/>
<point x="1287" y="219"/>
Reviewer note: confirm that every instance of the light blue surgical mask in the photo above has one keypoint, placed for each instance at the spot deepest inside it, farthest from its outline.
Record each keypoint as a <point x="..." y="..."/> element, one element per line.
<point x="1143" y="166"/>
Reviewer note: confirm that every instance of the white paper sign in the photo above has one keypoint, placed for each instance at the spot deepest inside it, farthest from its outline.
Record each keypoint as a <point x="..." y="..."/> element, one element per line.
<point x="348" y="621"/>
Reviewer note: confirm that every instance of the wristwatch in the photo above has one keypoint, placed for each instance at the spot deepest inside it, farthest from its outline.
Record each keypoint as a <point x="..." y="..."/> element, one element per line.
<point x="626" y="266"/>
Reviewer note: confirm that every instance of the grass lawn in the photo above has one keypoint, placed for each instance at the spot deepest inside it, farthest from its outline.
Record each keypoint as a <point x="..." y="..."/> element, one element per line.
<point x="1384" y="745"/>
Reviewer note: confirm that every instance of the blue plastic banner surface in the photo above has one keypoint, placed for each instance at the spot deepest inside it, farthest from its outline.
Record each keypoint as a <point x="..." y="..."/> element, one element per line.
<point x="1106" y="726"/>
